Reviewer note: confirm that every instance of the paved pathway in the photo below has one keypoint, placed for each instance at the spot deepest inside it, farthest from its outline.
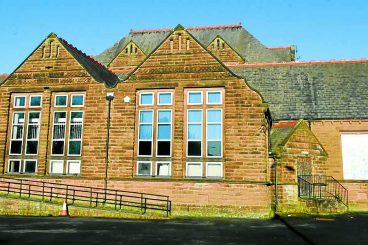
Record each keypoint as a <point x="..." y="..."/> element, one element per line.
<point x="346" y="229"/>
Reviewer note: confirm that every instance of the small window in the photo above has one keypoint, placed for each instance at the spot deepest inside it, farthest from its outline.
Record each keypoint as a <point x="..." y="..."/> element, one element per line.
<point x="214" y="98"/>
<point x="19" y="101"/>
<point x="144" y="169"/>
<point x="163" y="169"/>
<point x="194" y="133"/>
<point x="214" y="170"/>
<point x="146" y="99"/>
<point x="194" y="98"/>
<point x="30" y="166"/>
<point x="194" y="169"/>
<point x="61" y="100"/>
<point x="56" y="167"/>
<point x="165" y="98"/>
<point x="77" y="100"/>
<point x="14" y="166"/>
<point x="145" y="133"/>
<point x="73" y="167"/>
<point x="35" y="101"/>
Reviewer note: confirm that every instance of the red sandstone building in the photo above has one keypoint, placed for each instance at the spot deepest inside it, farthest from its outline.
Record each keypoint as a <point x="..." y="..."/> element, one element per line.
<point x="207" y="115"/>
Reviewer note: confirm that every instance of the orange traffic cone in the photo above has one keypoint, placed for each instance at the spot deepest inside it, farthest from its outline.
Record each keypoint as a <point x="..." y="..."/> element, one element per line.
<point x="65" y="211"/>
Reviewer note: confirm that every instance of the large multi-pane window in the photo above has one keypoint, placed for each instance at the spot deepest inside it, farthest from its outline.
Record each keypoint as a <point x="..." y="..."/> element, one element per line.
<point x="204" y="132"/>
<point x="67" y="133"/>
<point x="155" y="120"/>
<point x="24" y="130"/>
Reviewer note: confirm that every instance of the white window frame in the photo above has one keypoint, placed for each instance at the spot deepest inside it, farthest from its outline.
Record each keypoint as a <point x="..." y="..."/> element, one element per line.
<point x="71" y="100"/>
<point x="20" y="96"/>
<point x="50" y="167"/>
<point x="171" y="132"/>
<point x="194" y="92"/>
<point x="69" y="131"/>
<point x="215" y="163"/>
<point x="61" y="106"/>
<point x="67" y="167"/>
<point x="156" y="170"/>
<point x="187" y="132"/>
<point x="30" y="99"/>
<point x="20" y="166"/>
<point x="65" y="129"/>
<point x="24" y="166"/>
<point x="158" y="98"/>
<point x="141" y="175"/>
<point x="38" y="133"/>
<point x="186" y="170"/>
<point x="213" y="91"/>
<point x="11" y="133"/>
<point x="143" y="93"/>
<point x="214" y="123"/>
<point x="139" y="131"/>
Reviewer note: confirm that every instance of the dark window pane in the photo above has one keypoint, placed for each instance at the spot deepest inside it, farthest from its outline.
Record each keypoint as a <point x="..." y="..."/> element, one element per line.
<point x="58" y="147"/>
<point x="194" y="148"/>
<point x="145" y="148"/>
<point x="16" y="147"/>
<point x="32" y="147"/>
<point x="30" y="167"/>
<point x="144" y="168"/>
<point x="14" y="166"/>
<point x="163" y="148"/>
<point x="36" y="101"/>
<point x="213" y="148"/>
<point x="61" y="100"/>
<point x="74" y="147"/>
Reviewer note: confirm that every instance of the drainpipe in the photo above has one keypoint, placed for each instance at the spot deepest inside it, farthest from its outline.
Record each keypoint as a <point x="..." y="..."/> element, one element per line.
<point x="109" y="98"/>
<point x="273" y="156"/>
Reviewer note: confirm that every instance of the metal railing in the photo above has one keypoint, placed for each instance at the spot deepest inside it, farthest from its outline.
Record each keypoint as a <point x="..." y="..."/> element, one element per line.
<point x="85" y="196"/>
<point x="322" y="187"/>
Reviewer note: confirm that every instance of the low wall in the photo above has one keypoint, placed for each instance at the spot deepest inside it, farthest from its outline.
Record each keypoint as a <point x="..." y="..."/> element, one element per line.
<point x="191" y="198"/>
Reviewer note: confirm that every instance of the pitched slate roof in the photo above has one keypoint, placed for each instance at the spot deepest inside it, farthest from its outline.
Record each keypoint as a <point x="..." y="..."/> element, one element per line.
<point x="99" y="72"/>
<point x="236" y="36"/>
<point x="311" y="90"/>
<point x="3" y="77"/>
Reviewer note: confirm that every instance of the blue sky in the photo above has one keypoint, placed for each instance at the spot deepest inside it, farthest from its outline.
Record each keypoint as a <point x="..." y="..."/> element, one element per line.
<point x="321" y="29"/>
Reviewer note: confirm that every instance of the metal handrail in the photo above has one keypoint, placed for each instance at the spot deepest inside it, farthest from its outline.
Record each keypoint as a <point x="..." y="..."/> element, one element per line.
<point x="86" y="195"/>
<point x="322" y="187"/>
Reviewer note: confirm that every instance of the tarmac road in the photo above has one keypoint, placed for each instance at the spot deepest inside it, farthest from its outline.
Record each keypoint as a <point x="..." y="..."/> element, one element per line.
<point x="345" y="229"/>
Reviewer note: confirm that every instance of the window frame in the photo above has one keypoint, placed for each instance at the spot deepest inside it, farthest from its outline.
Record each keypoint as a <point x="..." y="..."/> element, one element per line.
<point x="141" y="175"/>
<point x="20" y="96"/>
<point x="11" y="133"/>
<point x="38" y="133"/>
<point x="171" y="132"/>
<point x="71" y="100"/>
<point x="67" y="167"/>
<point x="50" y="167"/>
<point x="221" y="167"/>
<point x="61" y="106"/>
<point x="139" y="131"/>
<point x="24" y="166"/>
<point x="194" y="91"/>
<point x="69" y="139"/>
<point x="65" y="132"/>
<point x="213" y="91"/>
<point x="163" y="92"/>
<point x="30" y="99"/>
<point x="186" y="170"/>
<point x="143" y="93"/>
<point x="156" y="169"/>
<point x="20" y="166"/>
<point x="222" y="132"/>
<point x="187" y="132"/>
